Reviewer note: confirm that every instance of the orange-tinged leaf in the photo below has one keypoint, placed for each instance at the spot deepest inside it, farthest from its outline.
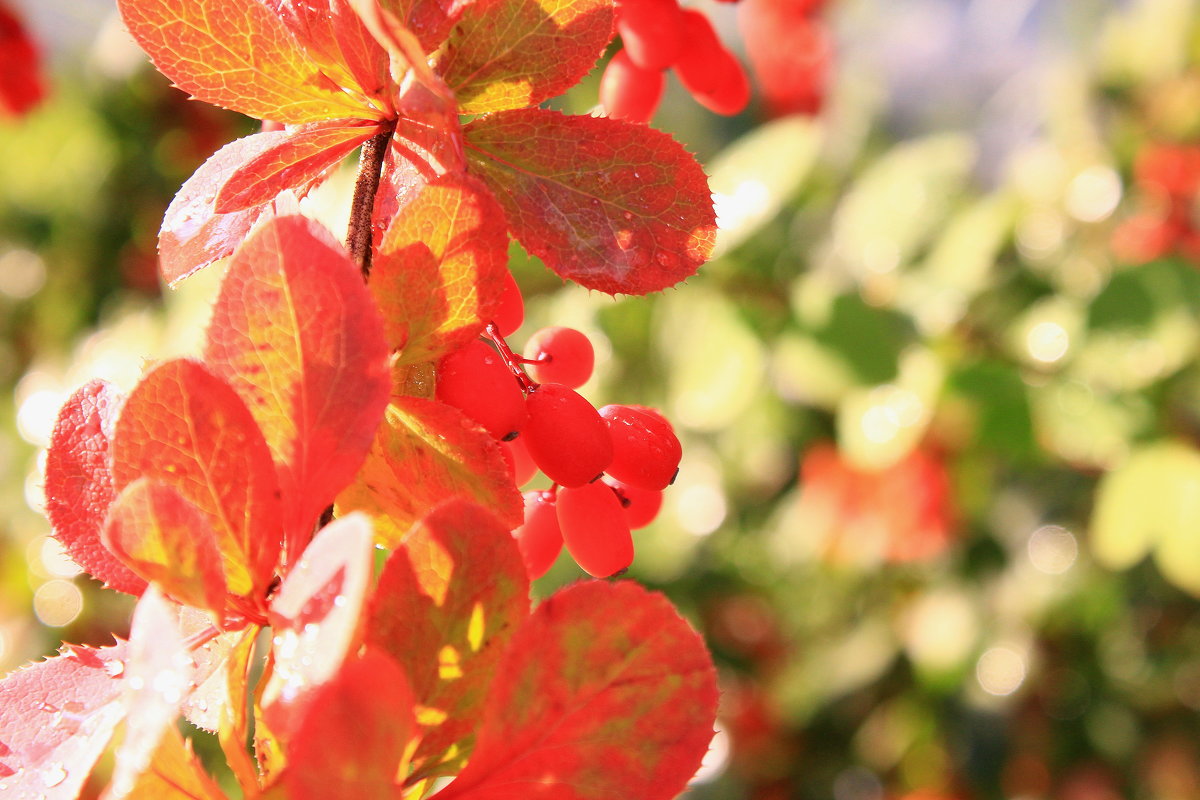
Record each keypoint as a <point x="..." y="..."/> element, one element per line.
<point x="508" y="54"/>
<point x="296" y="333"/>
<point x="233" y="732"/>
<point x="56" y="718"/>
<point x="237" y="54"/>
<point x="169" y="542"/>
<point x="611" y="205"/>
<point x="352" y="740"/>
<point x="315" y="618"/>
<point x="336" y="38"/>
<point x="439" y="272"/>
<point x="193" y="234"/>
<point x="604" y="692"/>
<point x="174" y="773"/>
<point x="299" y="158"/>
<point x="186" y="427"/>
<point x="429" y="20"/>
<point x="424" y="454"/>
<point x="79" y="486"/>
<point x="158" y="676"/>
<point x="449" y="599"/>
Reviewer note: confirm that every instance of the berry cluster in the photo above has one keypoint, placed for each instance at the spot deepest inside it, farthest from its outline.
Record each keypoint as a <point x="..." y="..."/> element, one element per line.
<point x="1168" y="180"/>
<point x="609" y="466"/>
<point x="790" y="49"/>
<point x="658" y="35"/>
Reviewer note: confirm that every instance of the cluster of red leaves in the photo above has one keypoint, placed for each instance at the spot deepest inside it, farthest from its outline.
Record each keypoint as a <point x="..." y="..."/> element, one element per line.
<point x="21" y="85"/>
<point x="1167" y="177"/>
<point x="898" y="514"/>
<point x="608" y="204"/>
<point x="201" y="490"/>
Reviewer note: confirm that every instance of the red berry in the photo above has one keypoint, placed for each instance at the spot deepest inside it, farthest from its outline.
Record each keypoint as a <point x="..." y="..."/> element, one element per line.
<point x="641" y="506"/>
<point x="539" y="538"/>
<point x="564" y="355"/>
<point x="510" y="313"/>
<point x="789" y="54"/>
<point x="566" y="436"/>
<point x="708" y="70"/>
<point x="475" y="380"/>
<point x="519" y="459"/>
<point x="651" y="31"/>
<point x="646" y="451"/>
<point x="594" y="529"/>
<point x="629" y="92"/>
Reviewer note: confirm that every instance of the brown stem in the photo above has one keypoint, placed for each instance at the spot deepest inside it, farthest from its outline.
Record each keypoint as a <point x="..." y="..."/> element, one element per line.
<point x="360" y="235"/>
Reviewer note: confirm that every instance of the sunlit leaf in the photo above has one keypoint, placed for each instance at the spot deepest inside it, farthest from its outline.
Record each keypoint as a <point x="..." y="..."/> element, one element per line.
<point x="315" y="618"/>
<point x="56" y="718"/>
<point x="336" y="38"/>
<point x="187" y="428"/>
<point x="449" y="599"/>
<point x="604" y="692"/>
<point x="508" y="54"/>
<point x="169" y="542"/>
<point x="79" y="487"/>
<point x="439" y="271"/>
<point x="612" y="205"/>
<point x="158" y="676"/>
<point x="193" y="234"/>
<point x="302" y="156"/>
<point x="754" y="176"/>
<point x="296" y="333"/>
<point x="353" y="737"/>
<point x="425" y="453"/>
<point x="429" y="20"/>
<point x="1152" y="502"/>
<point x="237" y="54"/>
<point x="174" y="773"/>
<point x="204" y="704"/>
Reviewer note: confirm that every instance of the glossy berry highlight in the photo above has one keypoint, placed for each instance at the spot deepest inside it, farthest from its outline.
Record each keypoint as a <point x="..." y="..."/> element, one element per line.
<point x="565" y="435"/>
<point x="594" y="529"/>
<point x="560" y="355"/>
<point x="475" y="380"/>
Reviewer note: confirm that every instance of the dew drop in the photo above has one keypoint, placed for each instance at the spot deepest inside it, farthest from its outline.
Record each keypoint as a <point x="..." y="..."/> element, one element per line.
<point x="115" y="669"/>
<point x="665" y="259"/>
<point x="628" y="215"/>
<point x="53" y="775"/>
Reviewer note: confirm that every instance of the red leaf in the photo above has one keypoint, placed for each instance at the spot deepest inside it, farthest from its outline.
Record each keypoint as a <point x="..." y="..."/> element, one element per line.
<point x="187" y="428"/>
<point x="169" y="542"/>
<point x="491" y="68"/>
<point x="296" y="333"/>
<point x="352" y="740"/>
<point x="429" y="20"/>
<point x="315" y="617"/>
<point x="158" y="676"/>
<point x="612" y="205"/>
<point x="301" y="157"/>
<point x="605" y="692"/>
<point x="79" y="486"/>
<point x="21" y="85"/>
<point x="440" y="270"/>
<point x="449" y="599"/>
<point x="238" y="54"/>
<point x="56" y="718"/>
<point x="424" y="454"/>
<point x="193" y="234"/>
<point x="335" y="36"/>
